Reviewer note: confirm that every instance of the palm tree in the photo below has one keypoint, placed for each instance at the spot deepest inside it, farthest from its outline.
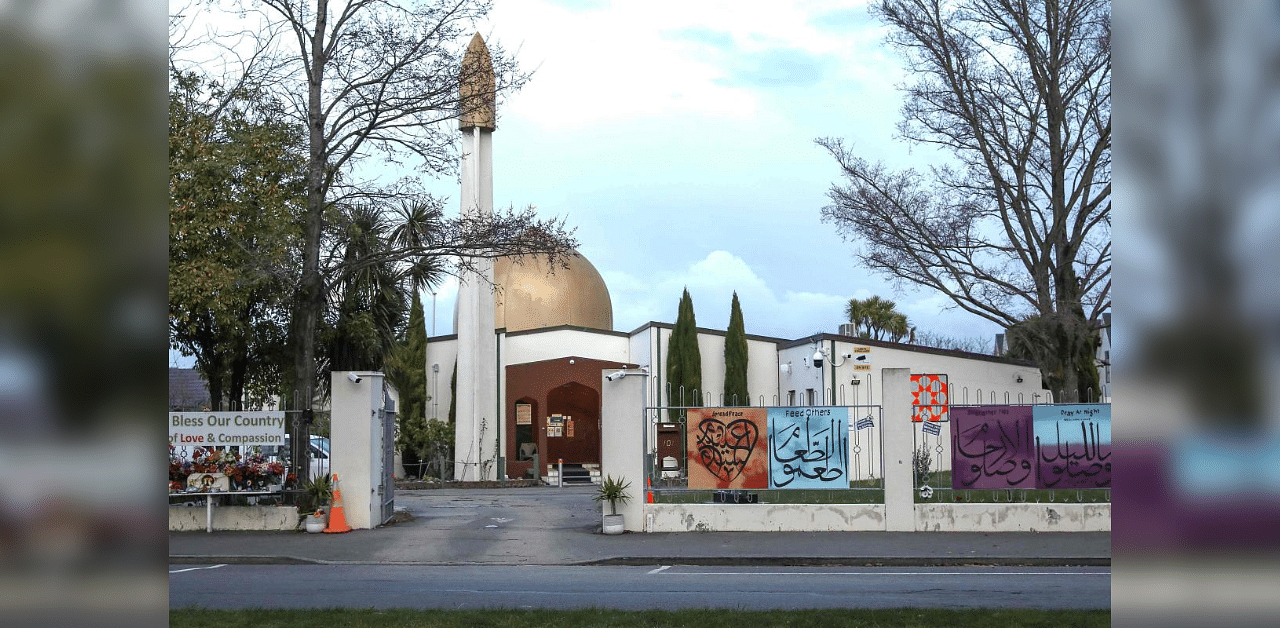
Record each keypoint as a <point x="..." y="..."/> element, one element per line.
<point x="855" y="311"/>
<point x="877" y="318"/>
<point x="367" y="297"/>
<point x="420" y="223"/>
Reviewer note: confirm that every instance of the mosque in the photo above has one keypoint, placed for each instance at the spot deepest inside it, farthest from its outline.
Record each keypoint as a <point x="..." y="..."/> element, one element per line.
<point x="530" y="354"/>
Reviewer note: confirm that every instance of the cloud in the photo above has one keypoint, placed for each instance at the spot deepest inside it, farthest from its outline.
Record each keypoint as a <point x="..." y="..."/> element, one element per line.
<point x="843" y="19"/>
<point x="711" y="282"/>
<point x="714" y="38"/>
<point x="779" y="67"/>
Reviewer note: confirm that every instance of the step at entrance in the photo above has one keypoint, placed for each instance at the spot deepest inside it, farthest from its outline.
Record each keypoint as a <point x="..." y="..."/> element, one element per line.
<point x="576" y="474"/>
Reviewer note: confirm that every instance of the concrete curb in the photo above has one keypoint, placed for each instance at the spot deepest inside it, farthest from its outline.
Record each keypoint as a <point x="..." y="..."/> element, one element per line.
<point x="647" y="561"/>
<point x="887" y="561"/>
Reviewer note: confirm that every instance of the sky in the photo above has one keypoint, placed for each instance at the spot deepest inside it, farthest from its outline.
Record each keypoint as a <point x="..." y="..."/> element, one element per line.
<point x="678" y="138"/>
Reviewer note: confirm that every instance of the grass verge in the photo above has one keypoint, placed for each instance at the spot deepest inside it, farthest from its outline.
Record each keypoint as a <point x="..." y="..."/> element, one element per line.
<point x="701" y="618"/>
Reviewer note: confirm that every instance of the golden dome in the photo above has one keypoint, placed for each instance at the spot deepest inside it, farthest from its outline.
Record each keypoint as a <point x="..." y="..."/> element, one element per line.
<point x="531" y="297"/>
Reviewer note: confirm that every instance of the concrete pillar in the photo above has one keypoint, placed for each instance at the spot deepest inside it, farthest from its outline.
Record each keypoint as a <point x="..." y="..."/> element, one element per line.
<point x="899" y="499"/>
<point x="621" y="441"/>
<point x="355" y="440"/>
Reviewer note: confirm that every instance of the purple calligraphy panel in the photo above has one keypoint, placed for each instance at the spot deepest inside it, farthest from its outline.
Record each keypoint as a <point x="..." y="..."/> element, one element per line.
<point x="992" y="447"/>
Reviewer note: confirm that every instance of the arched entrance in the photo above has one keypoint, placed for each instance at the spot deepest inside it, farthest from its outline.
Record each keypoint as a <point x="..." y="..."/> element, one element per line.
<point x="553" y="412"/>
<point x="573" y="413"/>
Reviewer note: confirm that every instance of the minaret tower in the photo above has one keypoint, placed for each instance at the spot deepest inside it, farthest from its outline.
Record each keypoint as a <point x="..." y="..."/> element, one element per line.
<point x="477" y="428"/>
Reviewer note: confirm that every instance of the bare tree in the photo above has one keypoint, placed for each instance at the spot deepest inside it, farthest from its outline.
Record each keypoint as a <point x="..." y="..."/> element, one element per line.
<point x="378" y="79"/>
<point x="1018" y="230"/>
<point x="970" y="344"/>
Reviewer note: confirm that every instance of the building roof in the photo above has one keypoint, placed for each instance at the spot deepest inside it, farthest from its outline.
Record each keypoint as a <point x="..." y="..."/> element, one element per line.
<point x="902" y="346"/>
<point x="188" y="391"/>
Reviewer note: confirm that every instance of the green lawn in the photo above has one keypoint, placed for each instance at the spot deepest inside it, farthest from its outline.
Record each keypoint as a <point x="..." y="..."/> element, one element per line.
<point x="891" y="618"/>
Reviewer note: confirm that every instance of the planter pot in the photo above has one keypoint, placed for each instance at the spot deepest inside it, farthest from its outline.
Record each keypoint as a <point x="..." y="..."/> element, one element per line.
<point x="315" y="524"/>
<point x="613" y="524"/>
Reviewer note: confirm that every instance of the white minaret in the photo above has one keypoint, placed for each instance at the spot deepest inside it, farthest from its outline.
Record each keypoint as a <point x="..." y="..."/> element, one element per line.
<point x="477" y="429"/>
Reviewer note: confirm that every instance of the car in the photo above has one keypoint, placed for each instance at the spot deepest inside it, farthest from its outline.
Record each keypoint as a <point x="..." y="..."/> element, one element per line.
<point x="318" y="452"/>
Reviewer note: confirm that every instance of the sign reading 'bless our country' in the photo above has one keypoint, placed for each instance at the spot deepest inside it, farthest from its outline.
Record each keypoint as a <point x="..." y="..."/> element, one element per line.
<point x="221" y="429"/>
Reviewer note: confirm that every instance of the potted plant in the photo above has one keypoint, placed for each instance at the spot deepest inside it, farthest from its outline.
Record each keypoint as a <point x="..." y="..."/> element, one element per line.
<point x="614" y="492"/>
<point x="316" y="494"/>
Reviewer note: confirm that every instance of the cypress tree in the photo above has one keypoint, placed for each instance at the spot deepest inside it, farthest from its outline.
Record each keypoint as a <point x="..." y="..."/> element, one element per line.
<point x="406" y="369"/>
<point x="735" y="359"/>
<point x="684" y="360"/>
<point x="453" y="395"/>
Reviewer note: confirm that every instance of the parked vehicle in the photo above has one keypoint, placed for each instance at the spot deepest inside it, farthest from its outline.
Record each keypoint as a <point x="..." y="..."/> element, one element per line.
<point x="319" y="454"/>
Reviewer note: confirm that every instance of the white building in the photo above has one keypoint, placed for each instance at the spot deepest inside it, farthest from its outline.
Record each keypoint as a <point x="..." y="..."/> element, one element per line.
<point x="554" y="338"/>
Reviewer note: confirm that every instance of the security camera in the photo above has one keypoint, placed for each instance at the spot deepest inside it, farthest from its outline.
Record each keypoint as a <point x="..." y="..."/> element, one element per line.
<point x="615" y="376"/>
<point x="355" y="379"/>
<point x="817" y="359"/>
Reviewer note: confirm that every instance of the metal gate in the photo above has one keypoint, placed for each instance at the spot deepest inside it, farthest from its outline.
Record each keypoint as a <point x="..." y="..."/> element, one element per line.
<point x="387" y="487"/>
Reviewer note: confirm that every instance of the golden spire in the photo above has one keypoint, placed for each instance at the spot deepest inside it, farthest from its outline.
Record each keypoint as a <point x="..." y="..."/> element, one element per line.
<point x="476" y="94"/>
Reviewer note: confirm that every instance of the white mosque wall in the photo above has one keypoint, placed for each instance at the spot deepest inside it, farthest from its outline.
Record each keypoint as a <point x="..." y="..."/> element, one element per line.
<point x="966" y="375"/>
<point x="641" y="349"/>
<point x="762" y="371"/>
<point x="522" y="348"/>
<point x="762" y="366"/>
<point x="711" y="350"/>
<point x="441" y="354"/>
<point x="799" y="377"/>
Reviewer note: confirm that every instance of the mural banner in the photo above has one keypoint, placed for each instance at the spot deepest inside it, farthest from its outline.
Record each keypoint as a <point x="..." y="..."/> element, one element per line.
<point x="728" y="448"/>
<point x="808" y="447"/>
<point x="992" y="447"/>
<point x="929" y="397"/>
<point x="1073" y="444"/>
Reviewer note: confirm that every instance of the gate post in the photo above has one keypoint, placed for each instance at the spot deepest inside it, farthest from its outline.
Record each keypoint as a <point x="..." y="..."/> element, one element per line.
<point x="896" y="450"/>
<point x="622" y="440"/>
<point x="356" y="443"/>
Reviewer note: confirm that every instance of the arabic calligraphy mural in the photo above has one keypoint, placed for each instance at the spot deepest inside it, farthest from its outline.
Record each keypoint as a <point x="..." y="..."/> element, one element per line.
<point x="992" y="447"/>
<point x="808" y="447"/>
<point x="727" y="448"/>
<point x="1065" y="446"/>
<point x="1073" y="445"/>
<point x="929" y="398"/>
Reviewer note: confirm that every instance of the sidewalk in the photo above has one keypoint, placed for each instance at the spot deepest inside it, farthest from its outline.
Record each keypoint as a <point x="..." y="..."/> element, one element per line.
<point x="559" y="526"/>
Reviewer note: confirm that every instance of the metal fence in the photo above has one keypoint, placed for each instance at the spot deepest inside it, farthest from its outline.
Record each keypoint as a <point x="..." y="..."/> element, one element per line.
<point x="667" y="457"/>
<point x="932" y="459"/>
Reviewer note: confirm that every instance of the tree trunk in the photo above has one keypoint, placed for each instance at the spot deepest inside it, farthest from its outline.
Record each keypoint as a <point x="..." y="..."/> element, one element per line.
<point x="310" y="301"/>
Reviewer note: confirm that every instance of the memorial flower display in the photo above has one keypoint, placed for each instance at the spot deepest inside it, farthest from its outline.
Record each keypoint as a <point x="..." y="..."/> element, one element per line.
<point x="250" y="470"/>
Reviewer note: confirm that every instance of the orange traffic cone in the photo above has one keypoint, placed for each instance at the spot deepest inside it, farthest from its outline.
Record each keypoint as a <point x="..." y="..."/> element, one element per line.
<point x="337" y="516"/>
<point x="650" y="494"/>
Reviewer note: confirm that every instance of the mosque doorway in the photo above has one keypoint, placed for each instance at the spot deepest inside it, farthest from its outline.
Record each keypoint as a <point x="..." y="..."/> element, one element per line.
<point x="573" y="424"/>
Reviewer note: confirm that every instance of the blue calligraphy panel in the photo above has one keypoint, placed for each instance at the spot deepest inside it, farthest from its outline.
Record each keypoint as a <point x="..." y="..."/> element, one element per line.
<point x="808" y="447"/>
<point x="1073" y="446"/>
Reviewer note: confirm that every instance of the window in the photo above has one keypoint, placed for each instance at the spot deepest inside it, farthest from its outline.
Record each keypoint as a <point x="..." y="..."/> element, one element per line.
<point x="812" y="397"/>
<point x="791" y="397"/>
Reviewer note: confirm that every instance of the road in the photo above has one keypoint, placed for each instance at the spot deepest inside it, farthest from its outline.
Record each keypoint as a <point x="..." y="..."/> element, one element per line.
<point x="635" y="588"/>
